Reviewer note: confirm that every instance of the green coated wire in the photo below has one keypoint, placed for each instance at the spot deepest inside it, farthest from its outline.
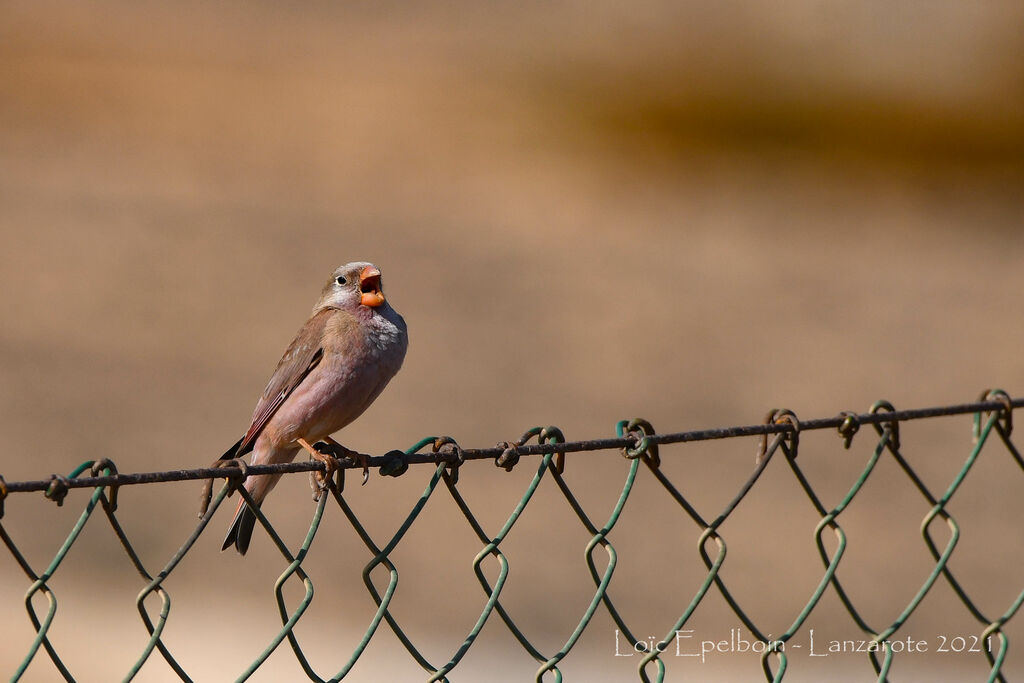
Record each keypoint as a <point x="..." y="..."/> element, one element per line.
<point x="381" y="557"/>
<point x="294" y="569"/>
<point x="993" y="416"/>
<point x="490" y="548"/>
<point x="155" y="585"/>
<point x="600" y="538"/>
<point x="108" y="508"/>
<point x="40" y="585"/>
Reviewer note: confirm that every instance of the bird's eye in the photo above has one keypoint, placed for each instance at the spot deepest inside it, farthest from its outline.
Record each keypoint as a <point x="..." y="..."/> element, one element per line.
<point x="340" y="280"/>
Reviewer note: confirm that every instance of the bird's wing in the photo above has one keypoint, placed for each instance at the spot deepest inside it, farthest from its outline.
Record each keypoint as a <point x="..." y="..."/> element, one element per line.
<point x="298" y="361"/>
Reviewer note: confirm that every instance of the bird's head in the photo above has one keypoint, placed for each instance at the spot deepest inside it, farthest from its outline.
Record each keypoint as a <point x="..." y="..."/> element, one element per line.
<point x="351" y="286"/>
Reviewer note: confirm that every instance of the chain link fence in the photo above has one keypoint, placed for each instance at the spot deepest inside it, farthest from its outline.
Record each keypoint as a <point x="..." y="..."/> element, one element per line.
<point x="639" y="443"/>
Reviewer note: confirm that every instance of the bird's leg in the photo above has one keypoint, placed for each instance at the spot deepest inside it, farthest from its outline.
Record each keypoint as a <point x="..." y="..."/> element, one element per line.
<point x="320" y="481"/>
<point x="358" y="457"/>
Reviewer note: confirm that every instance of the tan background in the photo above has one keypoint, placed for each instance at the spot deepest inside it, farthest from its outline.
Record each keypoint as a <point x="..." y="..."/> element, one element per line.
<point x="586" y="212"/>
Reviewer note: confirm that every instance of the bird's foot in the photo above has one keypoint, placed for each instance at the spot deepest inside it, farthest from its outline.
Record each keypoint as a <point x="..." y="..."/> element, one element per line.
<point x="321" y="481"/>
<point x="329" y="452"/>
<point x="339" y="451"/>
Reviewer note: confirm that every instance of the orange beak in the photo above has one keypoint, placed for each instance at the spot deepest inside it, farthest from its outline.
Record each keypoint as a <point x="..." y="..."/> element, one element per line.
<point x="369" y="285"/>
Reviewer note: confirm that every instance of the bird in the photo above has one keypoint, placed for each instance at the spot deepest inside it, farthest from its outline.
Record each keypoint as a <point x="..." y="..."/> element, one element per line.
<point x="340" y="360"/>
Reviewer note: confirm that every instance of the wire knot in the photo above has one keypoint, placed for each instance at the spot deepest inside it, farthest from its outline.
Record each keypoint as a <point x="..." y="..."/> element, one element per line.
<point x="57" y="489"/>
<point x="1006" y="412"/>
<point x="848" y="427"/>
<point x="240" y="474"/>
<point x="552" y="434"/>
<point x="894" y="426"/>
<point x="97" y="468"/>
<point x="509" y="457"/>
<point x="782" y="416"/>
<point x="640" y="431"/>
<point x="451" y="454"/>
<point x="545" y="435"/>
<point x="395" y="464"/>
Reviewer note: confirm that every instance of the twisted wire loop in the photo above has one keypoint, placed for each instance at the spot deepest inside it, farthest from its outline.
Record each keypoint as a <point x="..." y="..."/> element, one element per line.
<point x="779" y="432"/>
<point x="57" y="490"/>
<point x="641" y="432"/>
<point x="106" y="466"/>
<point x="451" y="455"/>
<point x="848" y="428"/>
<point x="509" y="457"/>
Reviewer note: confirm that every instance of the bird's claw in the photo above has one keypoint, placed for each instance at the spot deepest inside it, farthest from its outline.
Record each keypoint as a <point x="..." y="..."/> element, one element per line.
<point x="364" y="460"/>
<point x="339" y="451"/>
<point x="361" y="459"/>
<point x="330" y="453"/>
<point x="323" y="481"/>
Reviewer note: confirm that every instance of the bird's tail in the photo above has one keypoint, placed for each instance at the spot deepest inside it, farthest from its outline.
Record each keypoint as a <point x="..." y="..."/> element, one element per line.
<point x="258" y="486"/>
<point x="240" y="532"/>
<point x="236" y="450"/>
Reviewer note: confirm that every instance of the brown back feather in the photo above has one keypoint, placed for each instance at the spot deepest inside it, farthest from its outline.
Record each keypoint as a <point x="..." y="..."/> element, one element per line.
<point x="302" y="355"/>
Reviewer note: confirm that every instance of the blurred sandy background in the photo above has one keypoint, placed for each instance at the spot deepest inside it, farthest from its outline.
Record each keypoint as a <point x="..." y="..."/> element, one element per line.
<point x="586" y="212"/>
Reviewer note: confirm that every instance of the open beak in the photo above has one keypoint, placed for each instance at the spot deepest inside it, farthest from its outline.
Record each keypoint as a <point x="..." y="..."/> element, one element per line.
<point x="369" y="285"/>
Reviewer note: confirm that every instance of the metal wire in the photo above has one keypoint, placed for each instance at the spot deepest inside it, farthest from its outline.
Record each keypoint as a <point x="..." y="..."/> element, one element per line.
<point x="639" y="443"/>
